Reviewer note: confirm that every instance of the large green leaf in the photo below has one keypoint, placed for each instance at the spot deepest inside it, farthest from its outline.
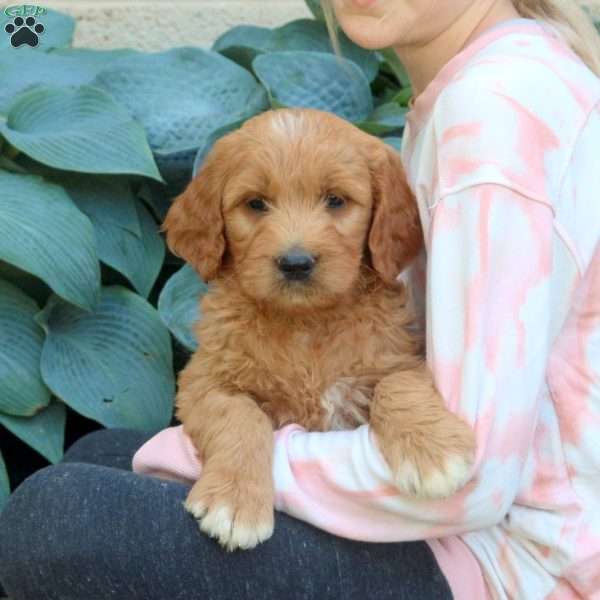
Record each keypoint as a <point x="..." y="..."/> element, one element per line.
<point x="385" y="119"/>
<point x="62" y="66"/>
<point x="137" y="258"/>
<point x="30" y="284"/>
<point x="179" y="304"/>
<point x="181" y="96"/>
<point x="44" y="432"/>
<point x="244" y="43"/>
<point x="113" y="365"/>
<point x="315" y="80"/>
<point x="43" y="233"/>
<point x="210" y="142"/>
<point x="397" y="68"/>
<point x="58" y="29"/>
<point x="10" y="165"/>
<point x="105" y="197"/>
<point x="78" y="129"/>
<point x="155" y="196"/>
<point x="127" y="236"/>
<point x="92" y="59"/>
<point x="310" y="35"/>
<point x="22" y="391"/>
<point x="4" y="484"/>
<point x="403" y="96"/>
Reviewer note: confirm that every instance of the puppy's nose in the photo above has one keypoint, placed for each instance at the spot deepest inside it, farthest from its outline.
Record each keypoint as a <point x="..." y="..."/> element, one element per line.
<point x="296" y="264"/>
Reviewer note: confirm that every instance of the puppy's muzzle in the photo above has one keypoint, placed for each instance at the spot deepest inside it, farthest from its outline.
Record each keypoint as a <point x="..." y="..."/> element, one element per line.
<point x="296" y="265"/>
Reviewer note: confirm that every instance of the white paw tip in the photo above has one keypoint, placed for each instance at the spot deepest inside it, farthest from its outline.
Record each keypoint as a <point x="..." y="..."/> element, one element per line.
<point x="438" y="483"/>
<point x="444" y="483"/>
<point x="197" y="509"/>
<point x="408" y="478"/>
<point x="218" y="523"/>
<point x="248" y="537"/>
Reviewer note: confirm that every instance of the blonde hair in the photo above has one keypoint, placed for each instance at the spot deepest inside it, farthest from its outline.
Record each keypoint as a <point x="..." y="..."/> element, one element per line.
<point x="566" y="16"/>
<point x="571" y="21"/>
<point x="332" y="25"/>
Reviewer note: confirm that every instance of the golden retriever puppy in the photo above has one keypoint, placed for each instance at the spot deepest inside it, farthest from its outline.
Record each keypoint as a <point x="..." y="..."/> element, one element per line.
<point x="301" y="223"/>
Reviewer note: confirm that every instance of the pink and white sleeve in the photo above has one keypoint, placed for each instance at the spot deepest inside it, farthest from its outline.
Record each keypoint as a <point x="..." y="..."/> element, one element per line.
<point x="488" y="314"/>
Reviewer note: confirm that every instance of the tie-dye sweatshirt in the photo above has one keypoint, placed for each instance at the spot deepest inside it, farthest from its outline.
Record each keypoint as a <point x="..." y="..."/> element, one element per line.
<point x="502" y="150"/>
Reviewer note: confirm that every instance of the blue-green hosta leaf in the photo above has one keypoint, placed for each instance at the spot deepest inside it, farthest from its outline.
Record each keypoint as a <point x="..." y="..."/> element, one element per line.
<point x="4" y="483"/>
<point x="311" y="35"/>
<point x="22" y="391"/>
<point x="78" y="129"/>
<point x="44" y="432"/>
<point x="156" y="197"/>
<point x="30" y="284"/>
<point x="92" y="59"/>
<point x="315" y="80"/>
<point x="107" y="199"/>
<point x="175" y="168"/>
<point x="113" y="365"/>
<point x="43" y="233"/>
<point x="403" y="96"/>
<point x="384" y="119"/>
<point x="58" y="29"/>
<point x="243" y="43"/>
<point x="182" y="95"/>
<point x="178" y="304"/>
<point x="11" y="166"/>
<point x="137" y="258"/>
<point x="127" y="236"/>
<point x="250" y="36"/>
<point x="393" y="61"/>
<point x="60" y="66"/>
<point x="210" y="142"/>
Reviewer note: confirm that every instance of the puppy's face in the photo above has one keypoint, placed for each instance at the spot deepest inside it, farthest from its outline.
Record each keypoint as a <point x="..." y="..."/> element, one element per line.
<point x="292" y="205"/>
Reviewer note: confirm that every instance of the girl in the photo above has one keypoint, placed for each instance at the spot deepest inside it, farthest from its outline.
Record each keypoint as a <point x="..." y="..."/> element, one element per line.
<point x="501" y="151"/>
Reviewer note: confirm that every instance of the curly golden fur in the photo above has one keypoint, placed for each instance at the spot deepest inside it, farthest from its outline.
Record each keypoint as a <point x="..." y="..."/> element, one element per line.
<point x="330" y="351"/>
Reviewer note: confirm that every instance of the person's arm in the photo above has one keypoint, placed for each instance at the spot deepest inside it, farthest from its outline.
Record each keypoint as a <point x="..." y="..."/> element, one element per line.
<point x="488" y="339"/>
<point x="488" y="316"/>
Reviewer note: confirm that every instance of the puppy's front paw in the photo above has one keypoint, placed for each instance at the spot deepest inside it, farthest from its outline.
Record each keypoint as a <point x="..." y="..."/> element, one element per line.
<point x="434" y="461"/>
<point x="237" y="511"/>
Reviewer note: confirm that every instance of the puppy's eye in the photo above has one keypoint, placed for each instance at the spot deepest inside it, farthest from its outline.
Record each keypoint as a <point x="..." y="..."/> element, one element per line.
<point x="333" y="201"/>
<point x="257" y="204"/>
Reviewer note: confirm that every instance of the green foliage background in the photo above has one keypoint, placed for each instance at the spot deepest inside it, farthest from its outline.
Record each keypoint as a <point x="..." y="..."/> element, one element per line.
<point x="94" y="145"/>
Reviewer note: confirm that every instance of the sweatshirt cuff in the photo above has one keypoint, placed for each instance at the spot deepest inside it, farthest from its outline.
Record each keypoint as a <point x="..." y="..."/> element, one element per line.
<point x="171" y="455"/>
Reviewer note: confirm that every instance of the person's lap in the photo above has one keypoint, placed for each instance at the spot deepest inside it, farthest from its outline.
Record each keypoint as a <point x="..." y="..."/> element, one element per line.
<point x="91" y="529"/>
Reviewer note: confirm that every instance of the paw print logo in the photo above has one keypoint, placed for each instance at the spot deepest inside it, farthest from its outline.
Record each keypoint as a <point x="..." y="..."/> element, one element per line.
<point x="24" y="31"/>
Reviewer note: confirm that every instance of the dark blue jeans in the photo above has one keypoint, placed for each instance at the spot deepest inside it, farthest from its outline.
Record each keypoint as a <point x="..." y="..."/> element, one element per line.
<point x="90" y="529"/>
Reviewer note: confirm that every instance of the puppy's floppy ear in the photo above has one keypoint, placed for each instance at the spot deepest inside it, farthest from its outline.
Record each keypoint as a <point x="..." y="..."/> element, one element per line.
<point x="194" y="224"/>
<point x="396" y="236"/>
